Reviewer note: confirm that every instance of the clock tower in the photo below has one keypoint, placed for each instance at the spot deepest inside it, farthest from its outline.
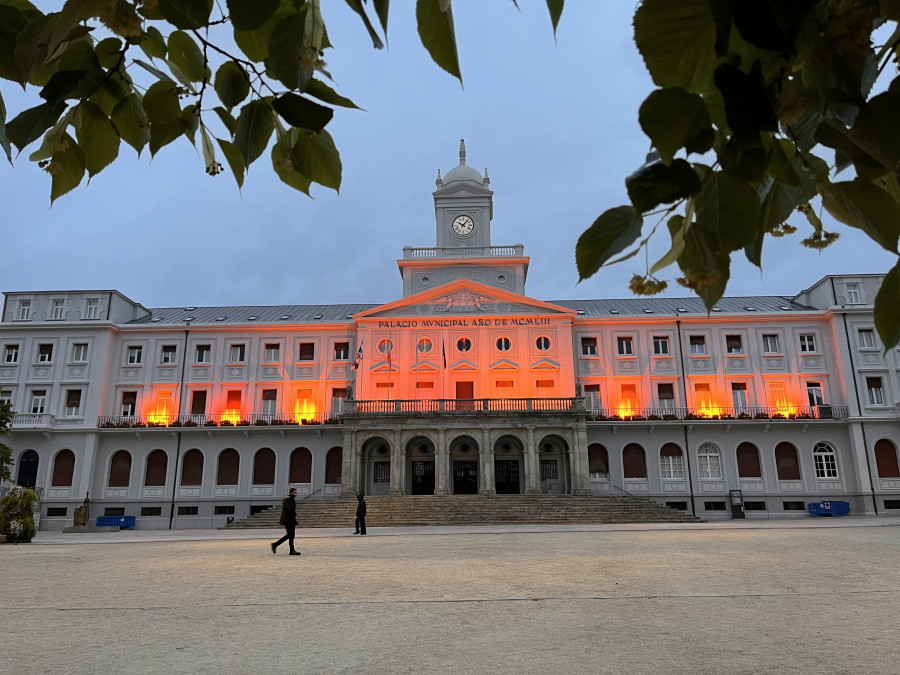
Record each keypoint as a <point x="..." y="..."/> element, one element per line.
<point x="463" y="209"/>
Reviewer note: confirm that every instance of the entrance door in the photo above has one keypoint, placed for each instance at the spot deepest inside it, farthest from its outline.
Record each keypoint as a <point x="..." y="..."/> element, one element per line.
<point x="506" y="476"/>
<point x="465" y="477"/>
<point x="423" y="477"/>
<point x="28" y="466"/>
<point x="465" y="392"/>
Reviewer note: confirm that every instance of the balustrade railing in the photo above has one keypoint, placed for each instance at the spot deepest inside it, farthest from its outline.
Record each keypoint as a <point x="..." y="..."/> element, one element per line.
<point x="31" y="420"/>
<point x="819" y="412"/>
<point x="454" y="405"/>
<point x="464" y="251"/>
<point x="224" y="420"/>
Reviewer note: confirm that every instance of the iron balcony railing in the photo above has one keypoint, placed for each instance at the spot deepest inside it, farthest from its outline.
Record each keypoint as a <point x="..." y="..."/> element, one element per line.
<point x="455" y="405"/>
<point x="817" y="412"/>
<point x="222" y="420"/>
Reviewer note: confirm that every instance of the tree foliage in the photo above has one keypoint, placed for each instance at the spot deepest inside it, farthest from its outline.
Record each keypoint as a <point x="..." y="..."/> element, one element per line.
<point x="6" y="415"/>
<point x="752" y="88"/>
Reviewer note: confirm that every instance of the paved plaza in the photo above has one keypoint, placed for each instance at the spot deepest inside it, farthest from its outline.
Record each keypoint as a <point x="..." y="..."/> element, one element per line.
<point x="806" y="596"/>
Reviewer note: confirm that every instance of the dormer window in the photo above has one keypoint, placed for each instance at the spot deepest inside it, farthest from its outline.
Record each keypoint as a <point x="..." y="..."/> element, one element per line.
<point x="93" y="309"/>
<point x="24" y="310"/>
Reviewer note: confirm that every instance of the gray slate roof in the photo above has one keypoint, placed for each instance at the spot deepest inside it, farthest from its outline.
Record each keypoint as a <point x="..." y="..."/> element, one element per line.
<point x="757" y="304"/>
<point x="242" y="314"/>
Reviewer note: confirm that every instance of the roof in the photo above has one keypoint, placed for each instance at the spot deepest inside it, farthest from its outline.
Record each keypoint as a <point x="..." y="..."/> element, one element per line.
<point x="765" y="304"/>
<point x="251" y="314"/>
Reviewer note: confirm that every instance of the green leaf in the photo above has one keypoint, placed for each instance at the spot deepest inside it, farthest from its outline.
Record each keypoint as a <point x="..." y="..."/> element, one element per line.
<point x="131" y="122"/>
<point x="209" y="152"/>
<point x="555" y="8"/>
<point x="357" y="6"/>
<point x="109" y="52"/>
<point x="163" y="133"/>
<point x="61" y="84"/>
<point x="254" y="128"/>
<point x="185" y="54"/>
<point x="285" y="44"/>
<point x="30" y="124"/>
<point x="656" y="184"/>
<point x="4" y="140"/>
<point x="235" y="160"/>
<point x="154" y="44"/>
<point x="227" y="119"/>
<point x="232" y="84"/>
<point x="728" y="209"/>
<point x="677" y="42"/>
<point x="678" y="226"/>
<point x="437" y="35"/>
<point x="675" y="119"/>
<point x="611" y="233"/>
<point x="251" y="14"/>
<point x="381" y="9"/>
<point x="161" y="103"/>
<point x="705" y="266"/>
<point x="107" y="97"/>
<point x="182" y="79"/>
<point x="163" y="77"/>
<point x="190" y="120"/>
<point x="67" y="168"/>
<point x="12" y="21"/>
<point x="887" y="318"/>
<point x="96" y="136"/>
<point x="317" y="158"/>
<point x="283" y="164"/>
<point x="186" y="14"/>
<point x="323" y="92"/>
<point x="301" y="112"/>
<point x="866" y="207"/>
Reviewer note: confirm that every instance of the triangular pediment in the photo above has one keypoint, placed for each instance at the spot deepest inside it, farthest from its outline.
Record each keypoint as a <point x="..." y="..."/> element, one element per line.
<point x="482" y="305"/>
<point x="425" y="367"/>
<point x="462" y="189"/>
<point x="383" y="367"/>
<point x="504" y="364"/>
<point x="463" y="365"/>
<point x="545" y="364"/>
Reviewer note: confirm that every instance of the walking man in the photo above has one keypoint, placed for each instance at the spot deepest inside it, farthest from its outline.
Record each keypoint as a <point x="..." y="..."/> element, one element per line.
<point x="360" y="515"/>
<point x="289" y="520"/>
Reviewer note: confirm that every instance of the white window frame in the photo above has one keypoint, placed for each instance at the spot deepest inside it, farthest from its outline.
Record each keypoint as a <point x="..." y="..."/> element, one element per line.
<point x="271" y="352"/>
<point x="698" y="349"/>
<point x="269" y="406"/>
<point x="666" y="403"/>
<point x="624" y="345"/>
<point x="11" y="354"/>
<point x="739" y="349"/>
<point x="92" y="309"/>
<point x="80" y="352"/>
<point x="808" y="343"/>
<point x="875" y="394"/>
<point x="671" y="467"/>
<point x="343" y="353"/>
<point x="168" y="354"/>
<point x="741" y="394"/>
<point x="38" y="403"/>
<point x="59" y="310"/>
<point x="770" y="343"/>
<point x="6" y="396"/>
<point x="851" y="292"/>
<point x="589" y="346"/>
<point x="815" y="394"/>
<point x="202" y="353"/>
<point x="237" y="353"/>
<point x="122" y="405"/>
<point x="24" y="310"/>
<point x="74" y="411"/>
<point x="661" y="345"/>
<point x="866" y="338"/>
<point x="825" y="460"/>
<point x="134" y="354"/>
<point x="709" y="462"/>
<point x="45" y="358"/>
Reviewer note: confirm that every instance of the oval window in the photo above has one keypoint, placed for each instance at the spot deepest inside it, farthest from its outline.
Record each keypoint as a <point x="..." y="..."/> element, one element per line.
<point x="464" y="344"/>
<point x="543" y="343"/>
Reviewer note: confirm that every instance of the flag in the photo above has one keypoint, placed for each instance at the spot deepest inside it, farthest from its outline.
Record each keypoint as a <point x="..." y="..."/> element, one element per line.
<point x="358" y="358"/>
<point x="443" y="352"/>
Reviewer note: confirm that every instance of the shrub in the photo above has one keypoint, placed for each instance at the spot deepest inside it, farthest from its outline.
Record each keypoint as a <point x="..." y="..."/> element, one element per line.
<point x="16" y="514"/>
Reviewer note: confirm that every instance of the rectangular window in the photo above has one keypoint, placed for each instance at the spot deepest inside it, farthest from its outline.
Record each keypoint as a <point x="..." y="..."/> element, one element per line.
<point x="341" y="351"/>
<point x="129" y="403"/>
<point x="151" y="511"/>
<point x="427" y="385"/>
<point x="339" y="394"/>
<point x="770" y="344"/>
<point x="45" y="353"/>
<point x="73" y="402"/>
<point x="198" y="402"/>
<point x="134" y="356"/>
<point x="592" y="396"/>
<point x="671" y="466"/>
<point x="5" y="396"/>
<point x="807" y="342"/>
<point x="38" y="401"/>
<point x="57" y="511"/>
<point x="629" y="399"/>
<point x="223" y="510"/>
<point x="11" y="354"/>
<point x="852" y="291"/>
<point x="504" y="384"/>
<point x="702" y="396"/>
<point x="734" y="344"/>
<point x="79" y="352"/>
<point x="777" y="396"/>
<point x="754" y="506"/>
<point x="188" y="510"/>
<point x="270" y="401"/>
<point x="233" y="400"/>
<point x="237" y="354"/>
<point x="698" y="344"/>
<point x="114" y="511"/>
<point x="382" y="473"/>
<point x="307" y="351"/>
<point x="625" y="346"/>
<point x="588" y="346"/>
<point x="168" y="354"/>
<point x="660" y="345"/>
<point x="203" y="354"/>
<point x="544" y="384"/>
<point x="665" y="392"/>
<point x="272" y="353"/>
<point x="866" y="338"/>
<point x="826" y="464"/>
<point x="59" y="310"/>
<point x="815" y="393"/>
<point x="24" y="310"/>
<point x="549" y="469"/>
<point x="739" y="395"/>
<point x="714" y="506"/>
<point x="875" y="390"/>
<point x="93" y="309"/>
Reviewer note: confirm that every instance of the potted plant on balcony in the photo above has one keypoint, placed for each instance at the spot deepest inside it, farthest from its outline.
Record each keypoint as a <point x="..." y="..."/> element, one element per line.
<point x="261" y="423"/>
<point x="210" y="423"/>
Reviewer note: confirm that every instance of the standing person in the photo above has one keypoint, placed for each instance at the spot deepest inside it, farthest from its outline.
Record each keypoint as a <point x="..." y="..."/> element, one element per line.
<point x="360" y="515"/>
<point x="289" y="520"/>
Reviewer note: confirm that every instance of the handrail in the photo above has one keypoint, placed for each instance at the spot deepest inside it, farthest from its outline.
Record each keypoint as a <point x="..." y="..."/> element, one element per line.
<point x="624" y="490"/>
<point x="311" y="494"/>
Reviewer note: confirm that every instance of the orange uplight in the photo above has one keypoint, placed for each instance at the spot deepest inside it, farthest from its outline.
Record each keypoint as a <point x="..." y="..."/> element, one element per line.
<point x="231" y="415"/>
<point x="304" y="410"/>
<point x="163" y="413"/>
<point x="707" y="409"/>
<point x="626" y="408"/>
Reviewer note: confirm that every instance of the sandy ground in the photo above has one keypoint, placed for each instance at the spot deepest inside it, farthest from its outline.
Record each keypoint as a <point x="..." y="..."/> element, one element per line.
<point x="820" y="600"/>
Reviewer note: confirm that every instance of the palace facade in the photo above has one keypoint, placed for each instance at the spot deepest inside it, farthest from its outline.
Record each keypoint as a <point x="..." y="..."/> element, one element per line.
<point x="188" y="416"/>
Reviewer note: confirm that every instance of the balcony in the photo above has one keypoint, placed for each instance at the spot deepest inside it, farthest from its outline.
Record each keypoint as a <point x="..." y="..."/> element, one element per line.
<point x="464" y="406"/>
<point x="807" y="413"/>
<point x="465" y="252"/>
<point x="222" y="420"/>
<point x="31" y="421"/>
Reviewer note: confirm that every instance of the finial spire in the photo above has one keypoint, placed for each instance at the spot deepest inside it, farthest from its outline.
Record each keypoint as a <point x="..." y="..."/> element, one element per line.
<point x="439" y="182"/>
<point x="462" y="151"/>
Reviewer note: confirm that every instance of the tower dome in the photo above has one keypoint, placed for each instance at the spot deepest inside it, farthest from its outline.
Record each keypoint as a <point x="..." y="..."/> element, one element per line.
<point x="463" y="171"/>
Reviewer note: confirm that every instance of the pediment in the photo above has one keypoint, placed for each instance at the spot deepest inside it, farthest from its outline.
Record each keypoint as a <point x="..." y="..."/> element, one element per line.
<point x="504" y="364"/>
<point x="463" y="366"/>
<point x="545" y="364"/>
<point x="462" y="189"/>
<point x="425" y="367"/>
<point x="383" y="367"/>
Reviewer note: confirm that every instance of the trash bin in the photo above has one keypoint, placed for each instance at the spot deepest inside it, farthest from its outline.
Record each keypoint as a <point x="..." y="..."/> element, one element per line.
<point x="737" y="504"/>
<point x="817" y="509"/>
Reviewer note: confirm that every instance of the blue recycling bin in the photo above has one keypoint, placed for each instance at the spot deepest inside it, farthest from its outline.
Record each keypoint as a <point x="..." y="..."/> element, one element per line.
<point x="122" y="522"/>
<point x="817" y="509"/>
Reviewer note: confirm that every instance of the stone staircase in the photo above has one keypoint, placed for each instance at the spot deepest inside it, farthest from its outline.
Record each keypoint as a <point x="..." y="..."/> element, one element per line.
<point x="473" y="510"/>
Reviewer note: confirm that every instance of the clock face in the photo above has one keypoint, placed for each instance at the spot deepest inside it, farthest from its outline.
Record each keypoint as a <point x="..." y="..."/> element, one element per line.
<point x="463" y="225"/>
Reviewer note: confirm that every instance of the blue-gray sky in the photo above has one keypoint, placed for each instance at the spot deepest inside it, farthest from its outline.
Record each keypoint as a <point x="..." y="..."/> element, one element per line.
<point x="554" y="123"/>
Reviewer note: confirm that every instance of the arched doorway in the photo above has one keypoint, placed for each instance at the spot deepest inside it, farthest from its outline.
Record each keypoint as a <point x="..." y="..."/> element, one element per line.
<point x="375" y="474"/>
<point x="554" y="466"/>
<point x="28" y="468"/>
<point x="464" y="465"/>
<point x="420" y="458"/>
<point x="509" y="476"/>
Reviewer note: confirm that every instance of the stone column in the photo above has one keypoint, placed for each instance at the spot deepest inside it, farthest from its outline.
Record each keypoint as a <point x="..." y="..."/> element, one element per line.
<point x="532" y="469"/>
<point x="858" y="453"/>
<point x="86" y="470"/>
<point x="441" y="464"/>
<point x="348" y="465"/>
<point x="581" y="480"/>
<point x="395" y="490"/>
<point x="487" y="462"/>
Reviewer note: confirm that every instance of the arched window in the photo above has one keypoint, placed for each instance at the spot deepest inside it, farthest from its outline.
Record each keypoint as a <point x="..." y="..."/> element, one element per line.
<point x="157" y="463"/>
<point x="28" y="468"/>
<point x="120" y="469"/>
<point x="786" y="463"/>
<point x="192" y="468"/>
<point x="886" y="459"/>
<point x="229" y="467"/>
<point x="633" y="461"/>
<point x="264" y="467"/>
<point x="671" y="461"/>
<point x="709" y="461"/>
<point x="825" y="460"/>
<point x="748" y="461"/>
<point x="333" y="465"/>
<point x="63" y="469"/>
<point x="301" y="466"/>
<point x="598" y="461"/>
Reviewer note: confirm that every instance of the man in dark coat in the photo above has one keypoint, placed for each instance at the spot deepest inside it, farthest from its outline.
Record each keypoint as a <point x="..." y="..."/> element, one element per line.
<point x="360" y="515"/>
<point x="289" y="520"/>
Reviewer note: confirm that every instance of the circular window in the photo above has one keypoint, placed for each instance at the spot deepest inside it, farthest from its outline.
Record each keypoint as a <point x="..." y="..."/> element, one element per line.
<point x="425" y="281"/>
<point x="501" y="278"/>
<point x="463" y="344"/>
<point x="503" y="344"/>
<point x="385" y="346"/>
<point x="424" y="345"/>
<point x="543" y="343"/>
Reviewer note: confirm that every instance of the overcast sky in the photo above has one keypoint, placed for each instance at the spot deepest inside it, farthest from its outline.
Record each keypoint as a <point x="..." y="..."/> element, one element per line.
<point x="554" y="123"/>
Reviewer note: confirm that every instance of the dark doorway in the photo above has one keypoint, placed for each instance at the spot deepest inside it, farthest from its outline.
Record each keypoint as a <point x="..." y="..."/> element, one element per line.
<point x="422" y="477"/>
<point x="465" y="477"/>
<point x="28" y="466"/>
<point x="465" y="392"/>
<point x="506" y="476"/>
